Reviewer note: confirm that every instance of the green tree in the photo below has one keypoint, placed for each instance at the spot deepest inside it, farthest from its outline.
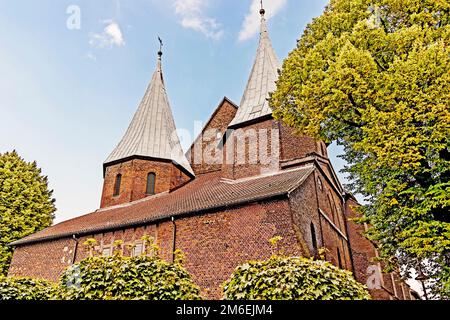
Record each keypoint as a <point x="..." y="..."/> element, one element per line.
<point x="281" y="278"/>
<point x="373" y="76"/>
<point x="26" y="203"/>
<point x="146" y="277"/>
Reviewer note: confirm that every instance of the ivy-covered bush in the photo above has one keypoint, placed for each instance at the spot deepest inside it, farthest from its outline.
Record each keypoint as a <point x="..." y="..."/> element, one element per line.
<point x="146" y="277"/>
<point x="282" y="278"/>
<point x="27" y="289"/>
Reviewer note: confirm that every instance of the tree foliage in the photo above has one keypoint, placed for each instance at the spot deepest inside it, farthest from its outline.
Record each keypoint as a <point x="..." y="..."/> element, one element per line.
<point x="27" y="289"/>
<point x="281" y="278"/>
<point x="26" y="203"/>
<point x="145" y="277"/>
<point x="374" y="76"/>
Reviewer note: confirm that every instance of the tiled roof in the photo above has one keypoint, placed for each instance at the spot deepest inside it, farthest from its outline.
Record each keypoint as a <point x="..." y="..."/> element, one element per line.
<point x="152" y="132"/>
<point x="206" y="192"/>
<point x="262" y="80"/>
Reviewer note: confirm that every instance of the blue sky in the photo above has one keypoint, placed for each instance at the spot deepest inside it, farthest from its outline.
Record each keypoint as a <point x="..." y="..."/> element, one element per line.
<point x="67" y="95"/>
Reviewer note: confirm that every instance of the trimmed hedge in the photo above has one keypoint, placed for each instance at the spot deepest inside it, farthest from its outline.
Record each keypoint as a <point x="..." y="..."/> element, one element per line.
<point x="27" y="289"/>
<point x="281" y="278"/>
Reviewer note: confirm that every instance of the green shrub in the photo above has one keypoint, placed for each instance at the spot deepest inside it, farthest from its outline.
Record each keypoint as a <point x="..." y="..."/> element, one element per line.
<point x="281" y="278"/>
<point x="128" y="278"/>
<point x="27" y="289"/>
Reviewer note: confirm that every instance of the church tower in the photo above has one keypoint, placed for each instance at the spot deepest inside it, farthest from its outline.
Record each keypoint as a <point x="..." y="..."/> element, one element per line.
<point x="255" y="143"/>
<point x="149" y="159"/>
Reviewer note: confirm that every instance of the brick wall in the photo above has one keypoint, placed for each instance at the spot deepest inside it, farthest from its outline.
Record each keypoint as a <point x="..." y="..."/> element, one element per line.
<point x="259" y="148"/>
<point x="45" y="260"/>
<point x="134" y="180"/>
<point x="367" y="269"/>
<point x="331" y="201"/>
<point x="248" y="151"/>
<point x="333" y="222"/>
<point x="294" y="146"/>
<point x="214" y="244"/>
<point x="310" y="207"/>
<point x="211" y="135"/>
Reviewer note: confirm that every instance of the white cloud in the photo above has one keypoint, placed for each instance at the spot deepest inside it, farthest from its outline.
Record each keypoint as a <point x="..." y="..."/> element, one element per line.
<point x="251" y="24"/>
<point x="191" y="13"/>
<point x="111" y="36"/>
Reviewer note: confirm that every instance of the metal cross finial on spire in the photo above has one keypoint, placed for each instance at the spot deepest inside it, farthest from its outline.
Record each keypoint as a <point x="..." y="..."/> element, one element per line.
<point x="160" y="53"/>
<point x="262" y="12"/>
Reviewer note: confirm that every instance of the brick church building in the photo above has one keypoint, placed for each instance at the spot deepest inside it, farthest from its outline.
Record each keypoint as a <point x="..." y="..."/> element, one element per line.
<point x="246" y="179"/>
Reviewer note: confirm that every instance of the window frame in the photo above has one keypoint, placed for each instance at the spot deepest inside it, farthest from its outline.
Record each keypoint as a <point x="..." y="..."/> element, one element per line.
<point x="314" y="238"/>
<point x="117" y="185"/>
<point x="339" y="258"/>
<point x="109" y="251"/>
<point x="332" y="205"/>
<point x="136" y="244"/>
<point x="150" y="174"/>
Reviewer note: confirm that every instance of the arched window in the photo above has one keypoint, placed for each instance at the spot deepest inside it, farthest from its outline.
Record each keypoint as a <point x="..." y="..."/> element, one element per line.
<point x="339" y="258"/>
<point x="314" y="237"/>
<point x="151" y="181"/>
<point x="117" y="185"/>
<point x="338" y="218"/>
<point x="137" y="250"/>
<point x="106" y="251"/>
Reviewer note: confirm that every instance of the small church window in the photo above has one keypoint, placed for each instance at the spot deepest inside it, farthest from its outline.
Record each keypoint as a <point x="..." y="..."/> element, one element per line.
<point x="117" y="185"/>
<point x="332" y="209"/>
<point x="106" y="252"/>
<point x="138" y="250"/>
<point x="337" y="217"/>
<point x="339" y="258"/>
<point x="151" y="181"/>
<point x="314" y="237"/>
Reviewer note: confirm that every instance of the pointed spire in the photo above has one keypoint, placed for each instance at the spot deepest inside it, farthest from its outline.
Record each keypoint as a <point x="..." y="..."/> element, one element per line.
<point x="263" y="76"/>
<point x="152" y="132"/>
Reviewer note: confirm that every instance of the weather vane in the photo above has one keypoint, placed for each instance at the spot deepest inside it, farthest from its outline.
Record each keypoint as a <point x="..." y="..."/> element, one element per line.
<point x="160" y="46"/>
<point x="262" y="11"/>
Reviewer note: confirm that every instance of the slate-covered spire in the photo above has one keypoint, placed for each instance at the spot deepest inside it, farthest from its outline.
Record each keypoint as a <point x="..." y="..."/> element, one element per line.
<point x="262" y="79"/>
<point x="152" y="132"/>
